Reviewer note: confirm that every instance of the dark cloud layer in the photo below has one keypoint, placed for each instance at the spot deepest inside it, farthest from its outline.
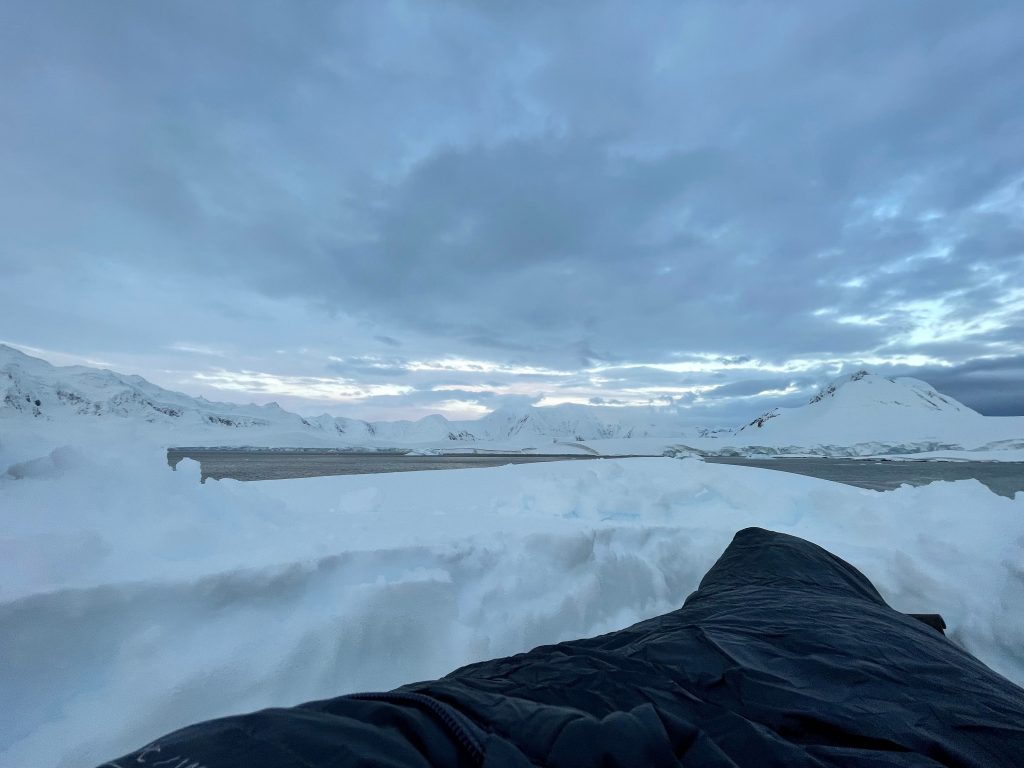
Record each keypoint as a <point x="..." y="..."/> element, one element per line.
<point x="579" y="195"/>
<point x="994" y="386"/>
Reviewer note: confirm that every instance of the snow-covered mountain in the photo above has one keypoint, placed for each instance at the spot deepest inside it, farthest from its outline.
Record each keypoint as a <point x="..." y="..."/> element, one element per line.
<point x="871" y="413"/>
<point x="867" y="408"/>
<point x="34" y="389"/>
<point x="577" y="422"/>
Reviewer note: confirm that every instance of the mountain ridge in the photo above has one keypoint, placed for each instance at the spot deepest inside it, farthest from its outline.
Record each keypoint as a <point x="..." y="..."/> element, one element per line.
<point x="32" y="387"/>
<point x="857" y="409"/>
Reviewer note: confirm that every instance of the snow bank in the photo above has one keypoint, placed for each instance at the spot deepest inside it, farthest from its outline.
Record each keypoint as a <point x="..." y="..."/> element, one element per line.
<point x="134" y="600"/>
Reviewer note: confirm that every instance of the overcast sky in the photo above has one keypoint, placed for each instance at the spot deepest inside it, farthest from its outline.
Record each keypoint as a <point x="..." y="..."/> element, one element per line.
<point x="387" y="209"/>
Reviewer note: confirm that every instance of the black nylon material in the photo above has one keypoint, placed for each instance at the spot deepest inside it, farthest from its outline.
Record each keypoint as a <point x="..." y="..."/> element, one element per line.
<point x="785" y="656"/>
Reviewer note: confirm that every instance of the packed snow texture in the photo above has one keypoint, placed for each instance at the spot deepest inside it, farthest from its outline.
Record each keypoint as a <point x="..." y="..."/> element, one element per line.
<point x="135" y="600"/>
<point x="859" y="415"/>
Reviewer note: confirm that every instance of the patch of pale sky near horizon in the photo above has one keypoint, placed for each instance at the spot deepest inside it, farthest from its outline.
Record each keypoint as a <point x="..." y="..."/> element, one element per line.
<point x="314" y="395"/>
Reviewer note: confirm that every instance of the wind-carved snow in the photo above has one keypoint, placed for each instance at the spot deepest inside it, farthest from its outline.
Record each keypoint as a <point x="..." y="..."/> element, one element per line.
<point x="135" y="592"/>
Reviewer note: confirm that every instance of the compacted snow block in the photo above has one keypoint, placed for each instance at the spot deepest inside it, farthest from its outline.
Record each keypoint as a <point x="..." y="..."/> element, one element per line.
<point x="785" y="656"/>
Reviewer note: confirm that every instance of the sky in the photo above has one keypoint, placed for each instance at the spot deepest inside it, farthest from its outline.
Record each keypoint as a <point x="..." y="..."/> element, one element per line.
<point x="384" y="210"/>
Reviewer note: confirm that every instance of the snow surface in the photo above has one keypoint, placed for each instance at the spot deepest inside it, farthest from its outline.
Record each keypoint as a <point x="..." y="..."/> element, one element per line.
<point x="134" y="600"/>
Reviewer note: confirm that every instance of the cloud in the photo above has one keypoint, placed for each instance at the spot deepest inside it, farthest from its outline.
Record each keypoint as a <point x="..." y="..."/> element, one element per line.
<point x="587" y="203"/>
<point x="198" y="349"/>
<point x="310" y="387"/>
<point x="994" y="387"/>
<point x="754" y="387"/>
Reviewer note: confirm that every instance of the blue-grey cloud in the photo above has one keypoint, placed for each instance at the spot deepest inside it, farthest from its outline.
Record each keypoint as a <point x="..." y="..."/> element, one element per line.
<point x="994" y="387"/>
<point x="573" y="194"/>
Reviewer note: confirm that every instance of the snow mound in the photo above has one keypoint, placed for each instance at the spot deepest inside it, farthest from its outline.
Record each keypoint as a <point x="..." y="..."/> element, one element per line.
<point x="45" y="467"/>
<point x="137" y="593"/>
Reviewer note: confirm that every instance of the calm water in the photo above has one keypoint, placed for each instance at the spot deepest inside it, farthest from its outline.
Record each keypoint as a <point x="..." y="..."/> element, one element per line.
<point x="270" y="465"/>
<point x="1004" y="478"/>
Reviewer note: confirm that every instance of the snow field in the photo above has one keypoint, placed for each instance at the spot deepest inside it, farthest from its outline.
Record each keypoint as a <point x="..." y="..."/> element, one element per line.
<point x="134" y="600"/>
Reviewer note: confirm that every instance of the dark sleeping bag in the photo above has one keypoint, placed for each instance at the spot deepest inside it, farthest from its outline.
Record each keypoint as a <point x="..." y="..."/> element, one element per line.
<point x="785" y="656"/>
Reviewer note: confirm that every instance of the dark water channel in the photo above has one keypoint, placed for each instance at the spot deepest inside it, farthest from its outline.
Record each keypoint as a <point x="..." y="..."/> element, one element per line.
<point x="280" y="465"/>
<point x="1004" y="478"/>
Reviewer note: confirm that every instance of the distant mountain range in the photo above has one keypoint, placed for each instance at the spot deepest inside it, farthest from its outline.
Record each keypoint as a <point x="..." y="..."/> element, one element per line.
<point x="862" y="409"/>
<point x="31" y="387"/>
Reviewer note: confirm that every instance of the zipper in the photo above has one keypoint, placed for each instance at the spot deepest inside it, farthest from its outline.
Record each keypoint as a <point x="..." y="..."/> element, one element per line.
<point x="466" y="733"/>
